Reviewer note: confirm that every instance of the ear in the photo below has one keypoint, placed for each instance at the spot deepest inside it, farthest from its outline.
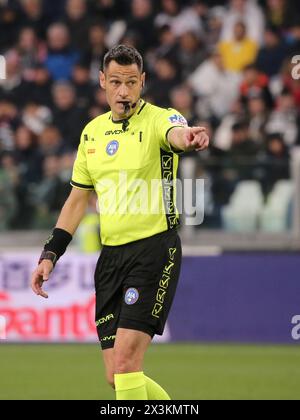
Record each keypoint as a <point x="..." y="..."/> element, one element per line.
<point x="102" y="80"/>
<point x="143" y="80"/>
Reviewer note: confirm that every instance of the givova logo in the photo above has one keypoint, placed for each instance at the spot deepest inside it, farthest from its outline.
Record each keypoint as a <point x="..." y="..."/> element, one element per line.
<point x="296" y="329"/>
<point x="2" y="328"/>
<point x="2" y="68"/>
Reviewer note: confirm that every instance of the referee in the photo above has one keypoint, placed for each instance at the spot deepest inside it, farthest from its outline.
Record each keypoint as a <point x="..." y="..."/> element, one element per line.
<point x="121" y="154"/>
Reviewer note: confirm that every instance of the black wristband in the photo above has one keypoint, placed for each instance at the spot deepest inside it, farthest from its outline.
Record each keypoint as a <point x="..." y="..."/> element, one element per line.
<point x="48" y="255"/>
<point x="58" y="242"/>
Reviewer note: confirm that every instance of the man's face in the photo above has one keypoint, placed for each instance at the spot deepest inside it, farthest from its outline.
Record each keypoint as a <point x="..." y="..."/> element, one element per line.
<point x="239" y="32"/>
<point x="123" y="84"/>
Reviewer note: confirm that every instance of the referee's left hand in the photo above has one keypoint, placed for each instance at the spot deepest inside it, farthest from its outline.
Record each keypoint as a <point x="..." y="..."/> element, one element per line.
<point x="196" y="138"/>
<point x="39" y="276"/>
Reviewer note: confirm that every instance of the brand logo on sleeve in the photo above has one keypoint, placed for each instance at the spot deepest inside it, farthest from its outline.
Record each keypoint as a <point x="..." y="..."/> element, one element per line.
<point x="112" y="148"/>
<point x="178" y="119"/>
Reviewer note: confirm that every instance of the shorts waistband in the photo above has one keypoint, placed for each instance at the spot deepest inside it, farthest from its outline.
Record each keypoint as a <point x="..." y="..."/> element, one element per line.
<point x="169" y="232"/>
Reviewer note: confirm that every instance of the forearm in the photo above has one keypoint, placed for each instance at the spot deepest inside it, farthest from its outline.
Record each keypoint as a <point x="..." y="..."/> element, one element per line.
<point x="67" y="224"/>
<point x="71" y="215"/>
<point x="176" y="138"/>
<point x="187" y="139"/>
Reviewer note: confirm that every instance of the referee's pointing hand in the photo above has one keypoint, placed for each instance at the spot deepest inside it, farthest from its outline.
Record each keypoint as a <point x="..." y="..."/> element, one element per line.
<point x="39" y="276"/>
<point x="196" y="138"/>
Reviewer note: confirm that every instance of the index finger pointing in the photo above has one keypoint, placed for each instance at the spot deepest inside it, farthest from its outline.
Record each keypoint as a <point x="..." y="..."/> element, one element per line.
<point x="197" y="130"/>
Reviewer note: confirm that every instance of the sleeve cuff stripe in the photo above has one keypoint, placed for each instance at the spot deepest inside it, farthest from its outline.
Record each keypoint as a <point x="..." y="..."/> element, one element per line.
<point x="171" y="128"/>
<point x="82" y="186"/>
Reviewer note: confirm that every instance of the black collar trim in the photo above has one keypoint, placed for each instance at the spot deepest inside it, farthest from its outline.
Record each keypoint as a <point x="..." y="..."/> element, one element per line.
<point x="142" y="108"/>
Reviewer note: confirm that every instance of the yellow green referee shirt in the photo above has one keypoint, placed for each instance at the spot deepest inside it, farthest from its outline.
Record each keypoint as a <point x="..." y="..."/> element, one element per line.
<point x="132" y="168"/>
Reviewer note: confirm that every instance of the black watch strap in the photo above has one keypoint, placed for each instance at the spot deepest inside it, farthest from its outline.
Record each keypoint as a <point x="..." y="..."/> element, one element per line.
<point x="48" y="255"/>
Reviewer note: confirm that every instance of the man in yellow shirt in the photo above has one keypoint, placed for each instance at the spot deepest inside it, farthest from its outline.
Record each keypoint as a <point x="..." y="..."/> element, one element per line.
<point x="239" y="52"/>
<point x="121" y="155"/>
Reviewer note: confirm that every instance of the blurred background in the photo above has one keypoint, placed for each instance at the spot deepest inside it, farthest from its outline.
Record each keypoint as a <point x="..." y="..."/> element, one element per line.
<point x="232" y="66"/>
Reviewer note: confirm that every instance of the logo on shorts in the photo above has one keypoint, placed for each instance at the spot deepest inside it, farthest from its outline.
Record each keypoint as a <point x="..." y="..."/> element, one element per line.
<point x="131" y="296"/>
<point x="112" y="148"/>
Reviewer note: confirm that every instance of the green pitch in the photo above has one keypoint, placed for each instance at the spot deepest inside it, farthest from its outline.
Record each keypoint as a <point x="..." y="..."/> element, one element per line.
<point x="187" y="371"/>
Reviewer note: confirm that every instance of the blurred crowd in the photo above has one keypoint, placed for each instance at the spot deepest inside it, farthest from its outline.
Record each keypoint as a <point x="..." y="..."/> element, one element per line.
<point x="223" y="64"/>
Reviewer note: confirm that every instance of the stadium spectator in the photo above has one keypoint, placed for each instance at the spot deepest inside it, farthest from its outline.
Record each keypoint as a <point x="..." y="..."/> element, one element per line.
<point x="240" y="51"/>
<point x="285" y="119"/>
<point x="8" y="181"/>
<point x="257" y="116"/>
<point x="50" y="141"/>
<point x="182" y="100"/>
<point x="190" y="53"/>
<point x="255" y="83"/>
<point x="212" y="83"/>
<point x="242" y="155"/>
<point x="215" y="17"/>
<point x="223" y="133"/>
<point x="66" y="167"/>
<point x="61" y="57"/>
<point x="167" y="47"/>
<point x="165" y="78"/>
<point x="95" y="50"/>
<point x="40" y="86"/>
<point x="9" y="120"/>
<point x="109" y="10"/>
<point x="271" y="56"/>
<point x="36" y="117"/>
<point x="9" y="24"/>
<point x="49" y="194"/>
<point x="180" y="19"/>
<point x="289" y="79"/>
<point x="77" y="21"/>
<point x="14" y="88"/>
<point x="31" y="51"/>
<point x="83" y="85"/>
<point x="294" y="37"/>
<point x="280" y="13"/>
<point x="275" y="162"/>
<point x="28" y="156"/>
<point x="33" y="16"/>
<point x="67" y="116"/>
<point x="219" y="188"/>
<point x="244" y="11"/>
<point x="100" y="100"/>
<point x="141" y="23"/>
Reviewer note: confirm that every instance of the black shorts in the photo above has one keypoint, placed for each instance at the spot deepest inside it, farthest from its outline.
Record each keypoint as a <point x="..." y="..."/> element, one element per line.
<point x="135" y="285"/>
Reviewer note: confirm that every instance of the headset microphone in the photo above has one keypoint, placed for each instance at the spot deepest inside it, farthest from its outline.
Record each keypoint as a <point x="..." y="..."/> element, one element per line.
<point x="126" y="107"/>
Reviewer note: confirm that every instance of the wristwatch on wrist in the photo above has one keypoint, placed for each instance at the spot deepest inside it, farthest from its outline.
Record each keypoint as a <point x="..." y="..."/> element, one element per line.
<point x="48" y="255"/>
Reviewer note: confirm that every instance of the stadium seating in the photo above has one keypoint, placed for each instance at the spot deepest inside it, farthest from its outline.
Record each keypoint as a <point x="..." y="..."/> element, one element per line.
<point x="246" y="203"/>
<point x="274" y="216"/>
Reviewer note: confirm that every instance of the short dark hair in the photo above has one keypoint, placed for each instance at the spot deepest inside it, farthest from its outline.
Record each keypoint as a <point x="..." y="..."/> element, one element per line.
<point x="123" y="55"/>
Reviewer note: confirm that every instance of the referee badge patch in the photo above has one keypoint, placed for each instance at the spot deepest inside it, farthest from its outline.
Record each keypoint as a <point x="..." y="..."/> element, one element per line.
<point x="178" y="119"/>
<point x="112" y="148"/>
<point x="131" y="296"/>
